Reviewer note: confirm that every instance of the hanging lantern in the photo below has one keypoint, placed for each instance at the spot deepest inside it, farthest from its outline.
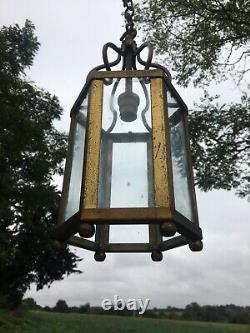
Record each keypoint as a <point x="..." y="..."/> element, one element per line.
<point x="129" y="159"/>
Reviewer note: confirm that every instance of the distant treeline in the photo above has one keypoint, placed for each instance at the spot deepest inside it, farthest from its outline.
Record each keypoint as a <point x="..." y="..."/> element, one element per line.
<point x="194" y="312"/>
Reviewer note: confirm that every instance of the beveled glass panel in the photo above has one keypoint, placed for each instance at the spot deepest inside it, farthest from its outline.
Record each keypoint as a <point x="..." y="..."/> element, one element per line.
<point x="180" y="166"/>
<point x="75" y="162"/>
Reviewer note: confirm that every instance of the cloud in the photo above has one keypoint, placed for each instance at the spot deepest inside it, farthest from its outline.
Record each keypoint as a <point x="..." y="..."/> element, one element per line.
<point x="217" y="275"/>
<point x="72" y="36"/>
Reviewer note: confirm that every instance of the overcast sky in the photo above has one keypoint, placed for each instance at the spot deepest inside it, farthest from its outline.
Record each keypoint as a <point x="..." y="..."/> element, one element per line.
<point x="72" y="34"/>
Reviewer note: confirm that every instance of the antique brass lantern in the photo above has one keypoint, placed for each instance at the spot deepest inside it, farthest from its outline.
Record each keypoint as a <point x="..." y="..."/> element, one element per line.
<point x="129" y="159"/>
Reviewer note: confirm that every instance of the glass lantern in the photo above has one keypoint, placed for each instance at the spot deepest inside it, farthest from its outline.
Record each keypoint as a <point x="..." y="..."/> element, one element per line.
<point x="129" y="163"/>
<point x="128" y="169"/>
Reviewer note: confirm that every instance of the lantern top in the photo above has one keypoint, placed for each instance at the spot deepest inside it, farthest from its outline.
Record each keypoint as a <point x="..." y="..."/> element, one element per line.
<point x="130" y="55"/>
<point x="95" y="74"/>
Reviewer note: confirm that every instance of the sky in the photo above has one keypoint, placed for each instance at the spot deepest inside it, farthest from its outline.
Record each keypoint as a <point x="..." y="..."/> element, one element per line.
<point x="72" y="34"/>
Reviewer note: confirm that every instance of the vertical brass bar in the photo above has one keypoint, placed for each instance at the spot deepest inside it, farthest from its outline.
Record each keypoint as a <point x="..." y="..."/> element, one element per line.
<point x="155" y="237"/>
<point x="102" y="236"/>
<point x="90" y="191"/>
<point x="169" y="157"/>
<point x="150" y="172"/>
<point x="160" y="163"/>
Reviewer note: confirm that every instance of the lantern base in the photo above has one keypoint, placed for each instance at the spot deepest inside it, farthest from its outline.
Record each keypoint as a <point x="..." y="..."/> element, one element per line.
<point x="156" y="255"/>
<point x="168" y="229"/>
<point x="100" y="256"/>
<point x="196" y="246"/>
<point x="86" y="230"/>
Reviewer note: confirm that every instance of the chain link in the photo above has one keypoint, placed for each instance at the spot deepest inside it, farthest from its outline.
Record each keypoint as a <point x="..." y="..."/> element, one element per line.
<point x="129" y="14"/>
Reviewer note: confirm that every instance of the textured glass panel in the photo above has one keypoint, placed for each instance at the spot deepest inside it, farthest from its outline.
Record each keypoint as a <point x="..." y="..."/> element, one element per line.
<point x="77" y="152"/>
<point x="129" y="186"/>
<point x="181" y="171"/>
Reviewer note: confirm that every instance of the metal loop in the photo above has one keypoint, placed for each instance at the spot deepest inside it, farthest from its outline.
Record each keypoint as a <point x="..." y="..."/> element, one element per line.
<point x="148" y="62"/>
<point x="106" y="62"/>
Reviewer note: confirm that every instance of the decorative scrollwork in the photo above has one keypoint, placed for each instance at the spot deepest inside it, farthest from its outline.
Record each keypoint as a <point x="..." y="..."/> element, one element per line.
<point x="106" y="62"/>
<point x="148" y="62"/>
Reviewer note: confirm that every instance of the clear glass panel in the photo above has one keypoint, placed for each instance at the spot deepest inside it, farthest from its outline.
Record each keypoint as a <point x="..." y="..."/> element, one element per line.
<point x="128" y="234"/>
<point x="180" y="166"/>
<point x="126" y="153"/>
<point x="115" y="118"/>
<point x="129" y="186"/>
<point x="75" y="162"/>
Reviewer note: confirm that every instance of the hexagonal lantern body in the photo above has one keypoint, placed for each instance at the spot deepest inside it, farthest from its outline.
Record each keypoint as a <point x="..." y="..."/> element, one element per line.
<point x="129" y="162"/>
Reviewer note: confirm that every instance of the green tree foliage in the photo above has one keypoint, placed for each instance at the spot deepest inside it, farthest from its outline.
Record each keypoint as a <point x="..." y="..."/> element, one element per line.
<point x="31" y="304"/>
<point x="84" y="308"/>
<point x="220" y="139"/>
<point x="203" y="41"/>
<point x="31" y="153"/>
<point x="61" y="306"/>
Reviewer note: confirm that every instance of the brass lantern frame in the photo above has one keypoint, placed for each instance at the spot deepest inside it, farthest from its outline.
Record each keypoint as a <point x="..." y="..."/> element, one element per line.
<point x="163" y="209"/>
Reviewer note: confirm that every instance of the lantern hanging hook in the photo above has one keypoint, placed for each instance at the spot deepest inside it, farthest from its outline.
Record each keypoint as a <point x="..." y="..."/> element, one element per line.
<point x="128" y="52"/>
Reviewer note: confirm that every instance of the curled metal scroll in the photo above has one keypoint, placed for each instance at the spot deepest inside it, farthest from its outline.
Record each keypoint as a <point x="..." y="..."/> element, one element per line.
<point x="144" y="111"/>
<point x="131" y="51"/>
<point x="148" y="62"/>
<point x="106" y="62"/>
<point x="111" y="106"/>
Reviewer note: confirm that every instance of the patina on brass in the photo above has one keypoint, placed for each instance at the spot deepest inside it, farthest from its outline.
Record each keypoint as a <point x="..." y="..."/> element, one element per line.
<point x="160" y="166"/>
<point x="163" y="210"/>
<point x="164" y="179"/>
<point x="93" y="139"/>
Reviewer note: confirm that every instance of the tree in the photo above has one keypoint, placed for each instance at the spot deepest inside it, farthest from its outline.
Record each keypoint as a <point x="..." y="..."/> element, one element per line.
<point x="220" y="141"/>
<point x="31" y="303"/>
<point x="84" y="308"/>
<point x="31" y="153"/>
<point x="61" y="306"/>
<point x="204" y="41"/>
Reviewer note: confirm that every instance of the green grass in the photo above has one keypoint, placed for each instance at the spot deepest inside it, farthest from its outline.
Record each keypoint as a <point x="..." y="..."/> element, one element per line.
<point x="43" y="322"/>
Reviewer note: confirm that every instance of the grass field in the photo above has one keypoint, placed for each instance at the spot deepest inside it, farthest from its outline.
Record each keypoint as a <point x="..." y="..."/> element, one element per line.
<point x="43" y="322"/>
